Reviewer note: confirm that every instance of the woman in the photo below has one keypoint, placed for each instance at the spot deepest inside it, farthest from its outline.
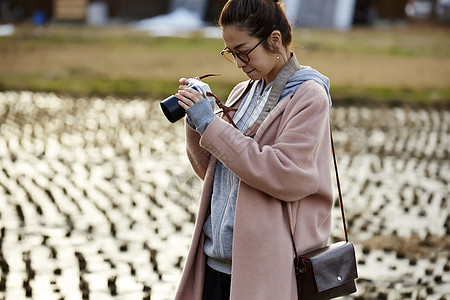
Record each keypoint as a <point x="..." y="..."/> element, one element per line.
<point x="276" y="150"/>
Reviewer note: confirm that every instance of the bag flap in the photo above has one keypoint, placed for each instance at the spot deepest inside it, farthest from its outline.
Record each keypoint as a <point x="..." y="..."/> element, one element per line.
<point x="333" y="265"/>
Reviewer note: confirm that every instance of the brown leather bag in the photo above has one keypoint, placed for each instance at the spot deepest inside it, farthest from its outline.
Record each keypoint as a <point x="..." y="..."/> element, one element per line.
<point x="328" y="272"/>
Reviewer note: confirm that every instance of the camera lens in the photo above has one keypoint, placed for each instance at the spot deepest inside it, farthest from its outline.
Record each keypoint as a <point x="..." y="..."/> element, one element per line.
<point x="171" y="109"/>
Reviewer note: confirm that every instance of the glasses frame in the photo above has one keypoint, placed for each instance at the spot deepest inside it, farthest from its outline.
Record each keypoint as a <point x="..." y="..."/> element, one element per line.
<point x="238" y="53"/>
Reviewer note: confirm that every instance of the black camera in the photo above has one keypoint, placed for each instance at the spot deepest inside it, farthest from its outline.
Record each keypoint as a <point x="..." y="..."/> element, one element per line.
<point x="170" y="107"/>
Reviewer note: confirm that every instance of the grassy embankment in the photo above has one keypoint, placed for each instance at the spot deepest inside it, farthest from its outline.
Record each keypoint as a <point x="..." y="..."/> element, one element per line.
<point x="408" y="65"/>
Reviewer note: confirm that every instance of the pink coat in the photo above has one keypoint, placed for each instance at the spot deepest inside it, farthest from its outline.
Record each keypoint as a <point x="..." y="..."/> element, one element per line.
<point x="289" y="160"/>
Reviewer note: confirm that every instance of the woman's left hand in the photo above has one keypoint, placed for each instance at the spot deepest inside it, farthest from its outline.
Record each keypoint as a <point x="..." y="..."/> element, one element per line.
<point x="187" y="96"/>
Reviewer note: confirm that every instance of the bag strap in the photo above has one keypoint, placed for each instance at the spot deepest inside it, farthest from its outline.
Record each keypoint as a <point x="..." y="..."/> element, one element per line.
<point x="341" y="203"/>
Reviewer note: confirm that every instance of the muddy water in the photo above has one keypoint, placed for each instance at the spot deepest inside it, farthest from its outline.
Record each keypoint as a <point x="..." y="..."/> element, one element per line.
<point x="97" y="199"/>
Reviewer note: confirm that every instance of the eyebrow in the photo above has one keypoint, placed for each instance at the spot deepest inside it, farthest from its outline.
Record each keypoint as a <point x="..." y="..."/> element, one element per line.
<point x="237" y="47"/>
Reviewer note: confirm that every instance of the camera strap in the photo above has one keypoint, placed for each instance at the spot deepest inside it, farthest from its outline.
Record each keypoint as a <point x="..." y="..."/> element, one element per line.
<point x="224" y="109"/>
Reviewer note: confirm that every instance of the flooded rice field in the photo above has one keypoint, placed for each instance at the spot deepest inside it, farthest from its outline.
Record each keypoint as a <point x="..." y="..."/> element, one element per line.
<point x="98" y="201"/>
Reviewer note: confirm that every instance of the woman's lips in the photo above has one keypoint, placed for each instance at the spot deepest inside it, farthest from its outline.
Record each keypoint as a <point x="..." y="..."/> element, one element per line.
<point x="248" y="72"/>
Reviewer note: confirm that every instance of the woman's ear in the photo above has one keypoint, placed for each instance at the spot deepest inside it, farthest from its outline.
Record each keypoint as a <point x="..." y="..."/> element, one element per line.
<point x="276" y="41"/>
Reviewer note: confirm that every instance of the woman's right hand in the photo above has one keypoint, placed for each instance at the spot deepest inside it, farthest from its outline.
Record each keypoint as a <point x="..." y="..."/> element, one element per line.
<point x="202" y="114"/>
<point x="187" y="96"/>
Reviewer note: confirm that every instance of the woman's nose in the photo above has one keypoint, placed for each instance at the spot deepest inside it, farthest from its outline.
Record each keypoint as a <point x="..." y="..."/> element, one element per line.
<point x="240" y="63"/>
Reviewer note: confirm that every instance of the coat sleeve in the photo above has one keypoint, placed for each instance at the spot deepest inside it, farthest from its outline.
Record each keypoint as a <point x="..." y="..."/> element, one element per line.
<point x="286" y="169"/>
<point x="197" y="155"/>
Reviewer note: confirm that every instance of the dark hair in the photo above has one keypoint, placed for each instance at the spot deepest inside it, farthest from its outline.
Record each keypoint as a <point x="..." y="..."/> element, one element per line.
<point x="258" y="17"/>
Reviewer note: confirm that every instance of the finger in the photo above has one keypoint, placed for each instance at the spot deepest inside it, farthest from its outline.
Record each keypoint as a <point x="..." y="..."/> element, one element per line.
<point x="185" y="100"/>
<point x="184" y="81"/>
<point x="191" y="94"/>
<point x="183" y="105"/>
<point x="195" y="93"/>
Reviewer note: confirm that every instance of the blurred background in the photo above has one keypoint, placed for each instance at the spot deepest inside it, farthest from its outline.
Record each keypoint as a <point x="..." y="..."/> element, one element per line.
<point x="376" y="48"/>
<point x="97" y="198"/>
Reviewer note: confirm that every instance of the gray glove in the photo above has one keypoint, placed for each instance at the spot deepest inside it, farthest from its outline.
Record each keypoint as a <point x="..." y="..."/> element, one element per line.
<point x="200" y="115"/>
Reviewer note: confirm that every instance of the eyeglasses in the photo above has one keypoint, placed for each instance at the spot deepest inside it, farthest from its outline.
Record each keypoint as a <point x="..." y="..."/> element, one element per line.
<point x="242" y="55"/>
